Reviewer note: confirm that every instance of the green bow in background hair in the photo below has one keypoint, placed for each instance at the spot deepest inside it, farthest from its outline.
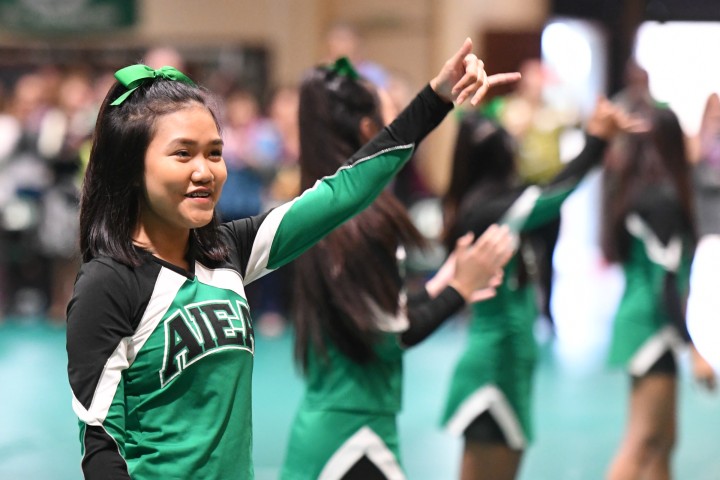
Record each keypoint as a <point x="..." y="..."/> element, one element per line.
<point x="344" y="68"/>
<point x="135" y="75"/>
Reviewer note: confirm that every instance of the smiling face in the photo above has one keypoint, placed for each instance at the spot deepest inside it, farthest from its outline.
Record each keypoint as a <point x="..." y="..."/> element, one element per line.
<point x="184" y="174"/>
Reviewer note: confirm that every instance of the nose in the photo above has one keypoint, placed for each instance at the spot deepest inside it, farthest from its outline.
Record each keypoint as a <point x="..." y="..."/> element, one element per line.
<point x="201" y="172"/>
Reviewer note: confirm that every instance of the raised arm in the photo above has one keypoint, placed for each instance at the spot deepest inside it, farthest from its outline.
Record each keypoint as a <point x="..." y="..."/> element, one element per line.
<point x="537" y="206"/>
<point x="290" y="229"/>
<point x="470" y="274"/>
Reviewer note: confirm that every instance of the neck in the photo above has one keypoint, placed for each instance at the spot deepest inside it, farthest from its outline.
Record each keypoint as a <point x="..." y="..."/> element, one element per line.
<point x="170" y="246"/>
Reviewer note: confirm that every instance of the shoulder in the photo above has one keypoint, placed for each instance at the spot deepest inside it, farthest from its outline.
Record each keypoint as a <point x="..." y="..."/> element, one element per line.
<point x="104" y="272"/>
<point x="104" y="277"/>
<point x="108" y="292"/>
<point x="242" y="229"/>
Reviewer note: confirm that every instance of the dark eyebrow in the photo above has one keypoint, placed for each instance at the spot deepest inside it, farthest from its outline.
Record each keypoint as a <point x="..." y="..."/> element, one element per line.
<point x="192" y="143"/>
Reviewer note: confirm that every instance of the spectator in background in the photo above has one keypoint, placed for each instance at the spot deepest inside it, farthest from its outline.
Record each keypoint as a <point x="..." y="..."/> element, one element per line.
<point x="283" y="113"/>
<point x="24" y="176"/>
<point x="9" y="135"/>
<point x="164" y="55"/>
<point x="343" y="40"/>
<point x="636" y="90"/>
<point x="64" y="130"/>
<point x="254" y="152"/>
<point x="274" y="291"/>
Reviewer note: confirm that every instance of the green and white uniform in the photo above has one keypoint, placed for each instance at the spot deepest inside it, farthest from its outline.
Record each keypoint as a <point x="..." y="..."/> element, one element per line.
<point x="160" y="359"/>
<point x="494" y="374"/>
<point x="349" y="411"/>
<point x="348" y="414"/>
<point x="650" y="319"/>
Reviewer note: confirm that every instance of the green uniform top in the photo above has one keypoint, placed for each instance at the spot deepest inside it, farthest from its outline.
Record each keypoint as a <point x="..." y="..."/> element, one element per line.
<point x="160" y="359"/>
<point x="339" y="383"/>
<point x="650" y="318"/>
<point x="494" y="372"/>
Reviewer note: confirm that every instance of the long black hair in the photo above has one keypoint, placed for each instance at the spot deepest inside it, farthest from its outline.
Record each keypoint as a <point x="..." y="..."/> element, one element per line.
<point x="341" y="280"/>
<point x="483" y="159"/>
<point x="113" y="185"/>
<point x="640" y="161"/>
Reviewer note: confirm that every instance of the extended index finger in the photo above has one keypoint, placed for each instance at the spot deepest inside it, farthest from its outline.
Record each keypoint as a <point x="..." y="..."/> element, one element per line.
<point x="503" y="78"/>
<point x="465" y="48"/>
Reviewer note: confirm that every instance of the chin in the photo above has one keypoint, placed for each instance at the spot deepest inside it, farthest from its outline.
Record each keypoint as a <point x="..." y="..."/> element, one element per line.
<point x="202" y="224"/>
<point x="199" y="223"/>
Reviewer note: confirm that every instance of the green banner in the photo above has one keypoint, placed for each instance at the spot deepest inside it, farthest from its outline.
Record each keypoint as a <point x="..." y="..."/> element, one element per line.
<point x="66" y="16"/>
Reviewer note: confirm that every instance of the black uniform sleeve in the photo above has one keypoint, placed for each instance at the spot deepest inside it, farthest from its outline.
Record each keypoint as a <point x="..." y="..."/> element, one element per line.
<point x="481" y="208"/>
<point x="102" y="312"/>
<point x="241" y="234"/>
<point x="100" y="315"/>
<point x="101" y="458"/>
<point x="413" y="124"/>
<point x="426" y="314"/>
<point x="588" y="158"/>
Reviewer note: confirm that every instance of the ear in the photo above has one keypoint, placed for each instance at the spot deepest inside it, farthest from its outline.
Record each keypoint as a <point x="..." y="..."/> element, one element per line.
<point x="368" y="129"/>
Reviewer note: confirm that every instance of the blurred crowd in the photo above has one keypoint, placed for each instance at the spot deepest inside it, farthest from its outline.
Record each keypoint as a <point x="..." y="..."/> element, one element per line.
<point x="46" y="121"/>
<point x="47" y="118"/>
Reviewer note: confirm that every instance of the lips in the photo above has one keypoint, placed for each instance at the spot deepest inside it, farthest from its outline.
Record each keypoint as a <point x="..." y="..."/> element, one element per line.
<point x="202" y="192"/>
<point x="198" y="194"/>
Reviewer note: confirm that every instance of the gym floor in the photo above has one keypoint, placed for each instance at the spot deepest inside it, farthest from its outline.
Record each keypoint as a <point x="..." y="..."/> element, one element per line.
<point x="579" y="411"/>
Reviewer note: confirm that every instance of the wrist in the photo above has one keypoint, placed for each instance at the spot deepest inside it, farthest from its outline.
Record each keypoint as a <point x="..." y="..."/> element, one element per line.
<point x="461" y="289"/>
<point x="436" y="86"/>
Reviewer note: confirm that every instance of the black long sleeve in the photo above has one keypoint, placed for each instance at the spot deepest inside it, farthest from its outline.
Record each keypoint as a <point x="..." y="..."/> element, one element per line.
<point x="589" y="157"/>
<point x="426" y="314"/>
<point x="413" y="124"/>
<point x="488" y="202"/>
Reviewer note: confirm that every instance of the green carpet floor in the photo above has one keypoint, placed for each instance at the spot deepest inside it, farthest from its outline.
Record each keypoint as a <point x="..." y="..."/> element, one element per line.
<point x="579" y="412"/>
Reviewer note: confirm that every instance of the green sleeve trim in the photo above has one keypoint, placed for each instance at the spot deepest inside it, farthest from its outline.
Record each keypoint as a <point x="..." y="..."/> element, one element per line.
<point x="548" y="207"/>
<point x="535" y="208"/>
<point x="332" y="201"/>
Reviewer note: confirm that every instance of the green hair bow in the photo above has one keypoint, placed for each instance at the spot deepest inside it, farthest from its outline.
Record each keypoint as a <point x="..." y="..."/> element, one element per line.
<point x="344" y="68"/>
<point x="135" y="75"/>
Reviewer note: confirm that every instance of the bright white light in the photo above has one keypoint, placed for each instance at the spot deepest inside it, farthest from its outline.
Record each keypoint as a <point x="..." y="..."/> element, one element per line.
<point x="586" y="291"/>
<point x="567" y="50"/>
<point x="682" y="64"/>
<point x="574" y="51"/>
<point x="704" y="302"/>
